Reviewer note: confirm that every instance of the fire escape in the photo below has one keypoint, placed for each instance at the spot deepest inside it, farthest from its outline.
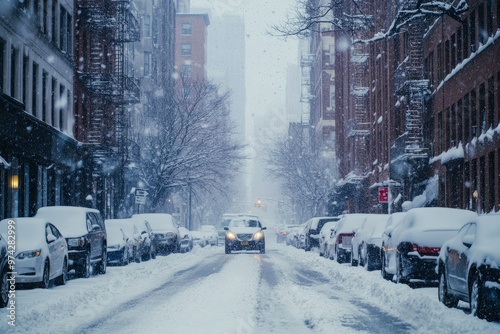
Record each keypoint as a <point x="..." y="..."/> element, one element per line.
<point x="105" y="30"/>
<point x="359" y="127"/>
<point x="109" y="26"/>
<point x="409" y="81"/>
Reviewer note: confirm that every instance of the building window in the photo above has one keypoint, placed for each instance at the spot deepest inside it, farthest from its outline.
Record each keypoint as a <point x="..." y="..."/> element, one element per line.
<point x="53" y="101"/>
<point x="34" y="90"/>
<point x="186" y="28"/>
<point x="53" y="23"/>
<point x="69" y="35"/>
<point x="61" y="104"/>
<point x="2" y="59"/>
<point x="186" y="49"/>
<point x="186" y="71"/>
<point x="147" y="64"/>
<point x="14" y="53"/>
<point x="26" y="64"/>
<point x="45" y="102"/>
<point x="147" y="26"/>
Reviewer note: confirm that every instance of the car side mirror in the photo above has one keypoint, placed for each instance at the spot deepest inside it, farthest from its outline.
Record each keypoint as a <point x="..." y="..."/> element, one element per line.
<point x="96" y="227"/>
<point x="226" y="228"/>
<point x="264" y="228"/>
<point x="51" y="238"/>
<point x="467" y="240"/>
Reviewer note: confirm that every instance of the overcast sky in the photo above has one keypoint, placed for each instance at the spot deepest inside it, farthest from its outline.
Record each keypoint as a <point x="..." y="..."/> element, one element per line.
<point x="266" y="56"/>
<point x="266" y="60"/>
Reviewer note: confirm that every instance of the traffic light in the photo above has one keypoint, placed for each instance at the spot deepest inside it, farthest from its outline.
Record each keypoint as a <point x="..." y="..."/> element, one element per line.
<point x="258" y="203"/>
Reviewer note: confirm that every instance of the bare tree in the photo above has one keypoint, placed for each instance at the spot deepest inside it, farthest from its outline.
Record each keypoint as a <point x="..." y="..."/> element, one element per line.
<point x="307" y="178"/>
<point x="188" y="144"/>
<point x="350" y="17"/>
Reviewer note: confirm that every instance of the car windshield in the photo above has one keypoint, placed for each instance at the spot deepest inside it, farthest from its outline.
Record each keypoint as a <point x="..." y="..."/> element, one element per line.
<point x="244" y="223"/>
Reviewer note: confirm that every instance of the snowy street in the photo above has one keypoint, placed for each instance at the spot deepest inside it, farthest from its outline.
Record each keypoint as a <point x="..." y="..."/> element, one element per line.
<point x="285" y="290"/>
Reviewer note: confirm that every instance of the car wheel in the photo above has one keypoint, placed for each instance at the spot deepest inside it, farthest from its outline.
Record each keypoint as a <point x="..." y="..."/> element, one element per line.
<point x="61" y="280"/>
<point x="153" y="253"/>
<point x="85" y="269"/>
<point x="385" y="274"/>
<point x="44" y="284"/>
<point x="227" y="249"/>
<point x="101" y="269"/>
<point x="125" y="257"/>
<point x="478" y="305"/>
<point x="263" y="249"/>
<point x="338" y="258"/>
<point x="443" y="295"/>
<point x="369" y="261"/>
<point x="354" y="262"/>
<point x="4" y="288"/>
<point x="399" y="271"/>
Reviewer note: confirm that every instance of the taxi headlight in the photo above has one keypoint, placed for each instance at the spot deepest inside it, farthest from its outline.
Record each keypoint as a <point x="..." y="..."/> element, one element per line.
<point x="259" y="235"/>
<point x="230" y="235"/>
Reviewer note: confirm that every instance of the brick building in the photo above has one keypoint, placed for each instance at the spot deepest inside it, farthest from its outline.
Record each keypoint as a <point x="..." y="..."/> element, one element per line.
<point x="419" y="112"/>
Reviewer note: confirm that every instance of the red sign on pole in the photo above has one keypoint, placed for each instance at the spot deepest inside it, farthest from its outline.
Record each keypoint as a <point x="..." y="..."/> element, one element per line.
<point x="383" y="194"/>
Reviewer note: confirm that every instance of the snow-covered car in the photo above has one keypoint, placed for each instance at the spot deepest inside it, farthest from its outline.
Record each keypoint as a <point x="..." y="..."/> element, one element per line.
<point x="210" y="233"/>
<point x="312" y="229"/>
<point x="283" y="231"/>
<point x="4" y="270"/>
<point x="469" y="267"/>
<point x="166" y="233"/>
<point x="131" y="229"/>
<point x="41" y="253"/>
<point x="324" y="235"/>
<point x="292" y="236"/>
<point x="148" y="249"/>
<point x="418" y="239"/>
<point x="344" y="233"/>
<point x="245" y="234"/>
<point x="85" y="235"/>
<point x="199" y="239"/>
<point x="367" y="241"/>
<point x="302" y="236"/>
<point x="121" y="247"/>
<point x="186" y="239"/>
<point x="388" y="248"/>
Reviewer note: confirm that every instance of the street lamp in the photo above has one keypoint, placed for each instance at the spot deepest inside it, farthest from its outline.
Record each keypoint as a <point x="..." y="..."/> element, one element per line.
<point x="14" y="182"/>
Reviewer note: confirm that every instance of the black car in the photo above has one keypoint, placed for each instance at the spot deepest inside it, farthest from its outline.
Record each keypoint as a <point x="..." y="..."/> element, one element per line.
<point x="85" y="235"/>
<point x="468" y="267"/>
<point x="245" y="234"/>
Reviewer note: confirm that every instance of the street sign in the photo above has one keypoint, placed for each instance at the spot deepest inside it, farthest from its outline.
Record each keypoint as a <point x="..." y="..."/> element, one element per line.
<point x="141" y="193"/>
<point x="140" y="200"/>
<point x="383" y="194"/>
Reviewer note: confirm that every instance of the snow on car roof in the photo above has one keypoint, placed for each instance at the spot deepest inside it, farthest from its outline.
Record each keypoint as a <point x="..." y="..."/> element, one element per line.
<point x="30" y="232"/>
<point x="437" y="218"/>
<point x="158" y="221"/>
<point x="70" y="220"/>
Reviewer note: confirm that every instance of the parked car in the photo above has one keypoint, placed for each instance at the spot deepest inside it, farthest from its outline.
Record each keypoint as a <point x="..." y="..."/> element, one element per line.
<point x="329" y="251"/>
<point x="210" y="233"/>
<point x="292" y="236"/>
<point x="121" y="247"/>
<point x="41" y="252"/>
<point x="324" y="235"/>
<point x="312" y="229"/>
<point x="148" y="249"/>
<point x="165" y="231"/>
<point x="418" y="239"/>
<point x="199" y="239"/>
<point x="131" y="229"/>
<point x="344" y="233"/>
<point x="302" y="236"/>
<point x="388" y="248"/>
<point x="85" y="235"/>
<point x="468" y="267"/>
<point x="186" y="239"/>
<point x="283" y="232"/>
<point x="367" y="241"/>
<point x="4" y="270"/>
<point x="245" y="234"/>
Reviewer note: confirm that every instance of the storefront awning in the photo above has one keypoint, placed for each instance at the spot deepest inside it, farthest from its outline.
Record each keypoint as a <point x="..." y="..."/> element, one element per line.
<point x="4" y="162"/>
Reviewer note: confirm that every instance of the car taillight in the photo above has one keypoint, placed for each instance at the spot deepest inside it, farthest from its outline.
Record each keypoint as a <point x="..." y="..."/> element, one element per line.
<point x="341" y="236"/>
<point x="429" y="251"/>
<point x="284" y="233"/>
